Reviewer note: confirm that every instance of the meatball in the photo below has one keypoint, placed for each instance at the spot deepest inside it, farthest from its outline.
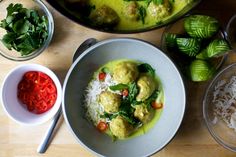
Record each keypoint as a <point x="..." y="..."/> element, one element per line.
<point x="146" y="86"/>
<point x="125" y="72"/>
<point x="104" y="17"/>
<point x="159" y="11"/>
<point x="142" y="113"/>
<point x="120" y="127"/>
<point x="110" y="101"/>
<point x="131" y="11"/>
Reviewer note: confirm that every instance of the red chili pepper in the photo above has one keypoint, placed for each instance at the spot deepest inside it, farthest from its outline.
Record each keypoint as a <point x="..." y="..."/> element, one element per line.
<point x="125" y="92"/>
<point x="102" y="126"/>
<point x="101" y="76"/>
<point x="37" y="91"/>
<point x="156" y="105"/>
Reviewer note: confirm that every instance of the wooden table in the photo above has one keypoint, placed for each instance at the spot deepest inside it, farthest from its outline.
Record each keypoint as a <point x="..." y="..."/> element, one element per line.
<point x="192" y="139"/>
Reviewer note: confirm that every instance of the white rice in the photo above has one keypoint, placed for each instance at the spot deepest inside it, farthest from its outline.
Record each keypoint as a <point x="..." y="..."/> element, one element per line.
<point x="96" y="87"/>
<point x="224" y="98"/>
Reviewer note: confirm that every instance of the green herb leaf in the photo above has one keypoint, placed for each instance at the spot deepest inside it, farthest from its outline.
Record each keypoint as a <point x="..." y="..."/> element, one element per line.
<point x="3" y="23"/>
<point x="119" y="87"/>
<point x="13" y="8"/>
<point x="21" y="26"/>
<point x="26" y="30"/>
<point x="109" y="116"/>
<point x="152" y="98"/>
<point x="146" y="68"/>
<point x="133" y="91"/>
<point x="8" y="39"/>
<point x="135" y="102"/>
<point x="158" y="2"/>
<point x="130" y="118"/>
<point x="105" y="70"/>
<point x="142" y="13"/>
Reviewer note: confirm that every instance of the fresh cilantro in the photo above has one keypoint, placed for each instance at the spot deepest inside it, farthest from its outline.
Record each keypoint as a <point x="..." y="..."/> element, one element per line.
<point x="13" y="8"/>
<point x="26" y="29"/>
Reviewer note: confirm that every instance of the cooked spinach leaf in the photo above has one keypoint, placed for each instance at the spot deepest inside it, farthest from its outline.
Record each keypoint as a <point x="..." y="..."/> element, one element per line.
<point x="152" y="98"/>
<point x="146" y="68"/>
<point x="158" y="2"/>
<point x="133" y="91"/>
<point x="119" y="87"/>
<point x="109" y="116"/>
<point x="132" y="88"/>
<point x="130" y="118"/>
<point x="142" y="13"/>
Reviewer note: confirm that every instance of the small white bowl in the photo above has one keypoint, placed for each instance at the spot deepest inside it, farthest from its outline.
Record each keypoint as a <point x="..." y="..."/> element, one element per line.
<point x="12" y="106"/>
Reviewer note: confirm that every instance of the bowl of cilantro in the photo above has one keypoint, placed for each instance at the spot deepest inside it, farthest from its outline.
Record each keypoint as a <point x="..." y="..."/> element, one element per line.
<point x="26" y="29"/>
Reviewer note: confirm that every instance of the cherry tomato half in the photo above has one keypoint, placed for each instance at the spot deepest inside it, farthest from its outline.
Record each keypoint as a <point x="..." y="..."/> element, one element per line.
<point x="125" y="92"/>
<point x="101" y="76"/>
<point x="102" y="126"/>
<point x="156" y="105"/>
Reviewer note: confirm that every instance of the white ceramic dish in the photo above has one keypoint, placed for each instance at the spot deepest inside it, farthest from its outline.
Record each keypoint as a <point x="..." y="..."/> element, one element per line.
<point x="79" y="76"/>
<point x="14" y="109"/>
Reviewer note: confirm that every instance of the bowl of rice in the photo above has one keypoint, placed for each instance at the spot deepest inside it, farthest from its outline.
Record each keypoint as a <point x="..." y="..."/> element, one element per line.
<point x="219" y="107"/>
<point x="79" y="95"/>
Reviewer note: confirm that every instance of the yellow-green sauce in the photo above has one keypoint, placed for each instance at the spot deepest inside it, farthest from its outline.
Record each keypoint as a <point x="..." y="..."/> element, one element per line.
<point x="120" y="7"/>
<point x="126" y="24"/>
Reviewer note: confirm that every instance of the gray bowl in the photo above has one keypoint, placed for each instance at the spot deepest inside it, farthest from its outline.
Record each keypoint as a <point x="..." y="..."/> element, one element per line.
<point x="81" y="73"/>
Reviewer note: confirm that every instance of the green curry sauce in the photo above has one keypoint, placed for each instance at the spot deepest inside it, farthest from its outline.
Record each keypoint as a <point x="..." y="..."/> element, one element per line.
<point x="146" y="17"/>
<point x="126" y="24"/>
<point x="160" y="98"/>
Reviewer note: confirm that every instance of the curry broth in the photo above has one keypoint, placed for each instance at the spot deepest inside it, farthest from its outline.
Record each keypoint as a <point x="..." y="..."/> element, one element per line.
<point x="126" y="24"/>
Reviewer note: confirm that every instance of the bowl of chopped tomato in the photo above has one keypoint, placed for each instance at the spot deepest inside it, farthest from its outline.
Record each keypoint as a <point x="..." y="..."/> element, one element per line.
<point x="31" y="94"/>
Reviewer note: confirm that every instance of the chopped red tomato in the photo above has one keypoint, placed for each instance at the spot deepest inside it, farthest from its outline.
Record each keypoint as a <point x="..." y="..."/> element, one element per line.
<point x="156" y="105"/>
<point x="102" y="126"/>
<point x="125" y="92"/>
<point x="31" y="75"/>
<point x="37" y="91"/>
<point x="101" y="76"/>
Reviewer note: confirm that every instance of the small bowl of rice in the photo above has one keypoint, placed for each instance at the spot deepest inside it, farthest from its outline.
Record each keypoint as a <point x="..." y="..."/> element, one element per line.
<point x="219" y="107"/>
